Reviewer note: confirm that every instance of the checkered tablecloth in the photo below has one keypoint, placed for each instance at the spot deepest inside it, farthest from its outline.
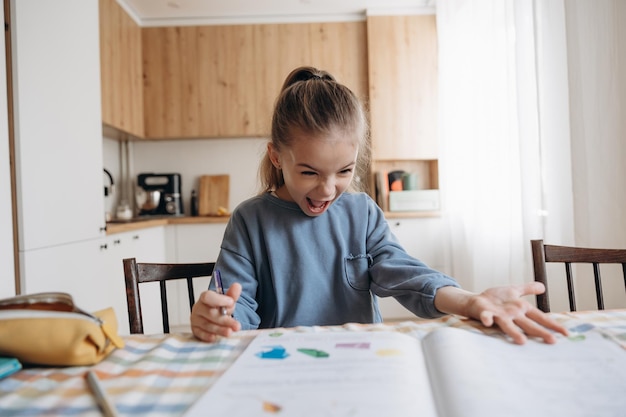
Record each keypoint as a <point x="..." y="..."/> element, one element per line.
<point x="162" y="375"/>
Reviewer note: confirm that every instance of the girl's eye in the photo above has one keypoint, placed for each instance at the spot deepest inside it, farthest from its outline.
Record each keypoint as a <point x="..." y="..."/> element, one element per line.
<point x="308" y="173"/>
<point x="346" y="171"/>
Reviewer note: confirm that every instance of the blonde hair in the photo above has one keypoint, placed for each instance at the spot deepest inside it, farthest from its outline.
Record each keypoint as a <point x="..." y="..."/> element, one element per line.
<point x="313" y="102"/>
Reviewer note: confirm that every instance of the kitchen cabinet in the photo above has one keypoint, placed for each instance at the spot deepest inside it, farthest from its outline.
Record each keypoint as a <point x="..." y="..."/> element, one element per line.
<point x="221" y="81"/>
<point x="402" y="63"/>
<point x="193" y="243"/>
<point x="422" y="238"/>
<point x="214" y="81"/>
<point x="339" y="48"/>
<point x="75" y="268"/>
<point x="147" y="245"/>
<point x="57" y="122"/>
<point x="92" y="273"/>
<point x="196" y="81"/>
<point x="121" y="69"/>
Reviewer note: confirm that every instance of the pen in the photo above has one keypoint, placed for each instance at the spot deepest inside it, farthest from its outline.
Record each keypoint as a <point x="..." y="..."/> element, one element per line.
<point x="103" y="400"/>
<point x="220" y="288"/>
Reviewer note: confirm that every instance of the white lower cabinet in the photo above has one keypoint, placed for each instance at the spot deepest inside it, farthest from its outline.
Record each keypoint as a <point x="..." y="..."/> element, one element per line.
<point x="146" y="245"/>
<point x="92" y="272"/>
<point x="422" y="238"/>
<point x="74" y="268"/>
<point x="193" y="243"/>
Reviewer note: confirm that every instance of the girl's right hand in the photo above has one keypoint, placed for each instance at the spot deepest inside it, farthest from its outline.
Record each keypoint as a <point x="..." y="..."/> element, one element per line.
<point x="207" y="321"/>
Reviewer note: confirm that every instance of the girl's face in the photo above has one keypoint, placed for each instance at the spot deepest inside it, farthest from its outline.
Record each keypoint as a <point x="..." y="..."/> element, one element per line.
<point x="316" y="169"/>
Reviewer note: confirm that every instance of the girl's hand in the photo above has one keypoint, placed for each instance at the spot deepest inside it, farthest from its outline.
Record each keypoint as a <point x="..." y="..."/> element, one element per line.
<point x="505" y="307"/>
<point x="207" y="321"/>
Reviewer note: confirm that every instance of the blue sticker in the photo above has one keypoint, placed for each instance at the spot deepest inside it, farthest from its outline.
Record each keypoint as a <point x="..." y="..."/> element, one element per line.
<point x="273" y="352"/>
<point x="582" y="328"/>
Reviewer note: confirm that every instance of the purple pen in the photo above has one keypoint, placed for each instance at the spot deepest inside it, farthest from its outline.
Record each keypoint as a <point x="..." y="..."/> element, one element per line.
<point x="220" y="288"/>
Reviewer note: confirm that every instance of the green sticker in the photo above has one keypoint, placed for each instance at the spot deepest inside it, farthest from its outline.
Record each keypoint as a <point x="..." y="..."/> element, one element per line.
<point x="577" y="338"/>
<point x="314" y="353"/>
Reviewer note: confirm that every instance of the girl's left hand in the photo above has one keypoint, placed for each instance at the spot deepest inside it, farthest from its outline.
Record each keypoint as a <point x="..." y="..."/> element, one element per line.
<point x="504" y="307"/>
<point x="515" y="316"/>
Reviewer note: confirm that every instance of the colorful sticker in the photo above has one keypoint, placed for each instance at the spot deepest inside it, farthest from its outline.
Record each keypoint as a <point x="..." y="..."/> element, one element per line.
<point x="314" y="353"/>
<point x="581" y="328"/>
<point x="355" y="345"/>
<point x="273" y="352"/>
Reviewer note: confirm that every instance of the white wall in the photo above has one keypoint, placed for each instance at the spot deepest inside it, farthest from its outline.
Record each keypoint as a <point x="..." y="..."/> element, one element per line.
<point x="237" y="157"/>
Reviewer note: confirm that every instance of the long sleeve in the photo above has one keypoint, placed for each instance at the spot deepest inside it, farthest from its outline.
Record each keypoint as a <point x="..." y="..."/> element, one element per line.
<point x="300" y="270"/>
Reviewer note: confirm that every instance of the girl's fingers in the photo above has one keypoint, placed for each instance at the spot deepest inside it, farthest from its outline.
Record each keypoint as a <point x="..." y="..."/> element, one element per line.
<point x="511" y="329"/>
<point x="546" y="321"/>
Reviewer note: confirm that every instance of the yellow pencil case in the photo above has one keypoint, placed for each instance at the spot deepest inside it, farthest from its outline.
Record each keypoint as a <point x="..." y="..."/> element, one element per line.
<point x="49" y="329"/>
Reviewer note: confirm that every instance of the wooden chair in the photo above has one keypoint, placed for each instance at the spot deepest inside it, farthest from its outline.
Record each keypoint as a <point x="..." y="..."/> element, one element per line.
<point x="137" y="273"/>
<point x="573" y="255"/>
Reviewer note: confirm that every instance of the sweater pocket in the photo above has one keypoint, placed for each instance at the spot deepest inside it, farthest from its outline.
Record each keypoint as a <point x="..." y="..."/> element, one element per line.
<point x="356" y="269"/>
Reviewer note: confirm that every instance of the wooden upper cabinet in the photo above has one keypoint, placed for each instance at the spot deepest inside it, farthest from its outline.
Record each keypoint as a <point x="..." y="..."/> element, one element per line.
<point x="222" y="81"/>
<point x="280" y="48"/>
<point x="402" y="55"/>
<point x="341" y="49"/>
<point x="195" y="81"/>
<point x="120" y="69"/>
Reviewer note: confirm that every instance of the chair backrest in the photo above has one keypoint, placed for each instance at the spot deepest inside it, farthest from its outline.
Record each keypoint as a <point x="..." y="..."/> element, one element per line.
<point x="137" y="273"/>
<point x="573" y="255"/>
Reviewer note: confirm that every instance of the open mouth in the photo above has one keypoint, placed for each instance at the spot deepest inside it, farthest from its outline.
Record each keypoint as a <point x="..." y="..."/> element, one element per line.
<point x="316" y="206"/>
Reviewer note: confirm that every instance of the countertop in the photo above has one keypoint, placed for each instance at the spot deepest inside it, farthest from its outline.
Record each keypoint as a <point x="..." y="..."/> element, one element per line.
<point x="118" y="226"/>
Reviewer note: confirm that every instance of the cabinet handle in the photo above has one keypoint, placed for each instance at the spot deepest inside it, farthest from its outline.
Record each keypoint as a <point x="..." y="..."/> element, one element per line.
<point x="136" y="237"/>
<point x="117" y="241"/>
<point x="103" y="228"/>
<point x="103" y="246"/>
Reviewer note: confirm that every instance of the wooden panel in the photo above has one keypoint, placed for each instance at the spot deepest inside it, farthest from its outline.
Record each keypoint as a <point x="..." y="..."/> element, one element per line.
<point x="402" y="56"/>
<point x="120" y="69"/>
<point x="213" y="194"/>
<point x="280" y="48"/>
<point x="222" y="81"/>
<point x="194" y="81"/>
<point x="341" y="49"/>
<point x="164" y="57"/>
<point x="233" y="85"/>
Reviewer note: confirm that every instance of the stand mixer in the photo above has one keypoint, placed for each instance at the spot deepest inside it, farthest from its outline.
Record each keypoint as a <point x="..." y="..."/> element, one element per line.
<point x="159" y="194"/>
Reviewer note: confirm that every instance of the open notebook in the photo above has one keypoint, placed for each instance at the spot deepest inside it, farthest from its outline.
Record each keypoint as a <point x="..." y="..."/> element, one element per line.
<point x="451" y="372"/>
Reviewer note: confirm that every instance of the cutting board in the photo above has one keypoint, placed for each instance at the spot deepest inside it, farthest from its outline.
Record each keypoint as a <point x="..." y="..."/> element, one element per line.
<point x="213" y="193"/>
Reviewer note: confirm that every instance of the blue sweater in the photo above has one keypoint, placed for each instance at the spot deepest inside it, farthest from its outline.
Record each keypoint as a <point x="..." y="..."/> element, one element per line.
<point x="297" y="270"/>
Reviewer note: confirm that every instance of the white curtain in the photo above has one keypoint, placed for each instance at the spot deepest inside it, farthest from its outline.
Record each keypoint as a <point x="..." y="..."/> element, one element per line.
<point x="531" y="131"/>
<point x="489" y="140"/>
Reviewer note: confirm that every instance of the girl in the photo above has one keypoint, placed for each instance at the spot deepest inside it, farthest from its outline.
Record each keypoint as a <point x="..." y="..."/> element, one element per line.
<point x="311" y="250"/>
